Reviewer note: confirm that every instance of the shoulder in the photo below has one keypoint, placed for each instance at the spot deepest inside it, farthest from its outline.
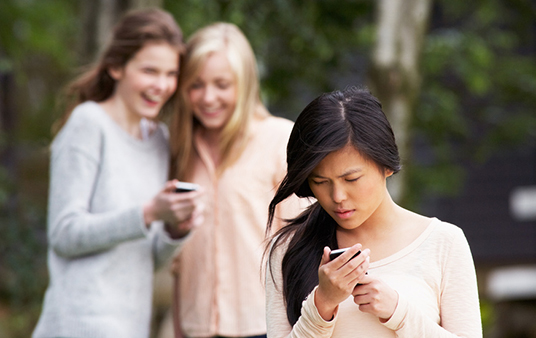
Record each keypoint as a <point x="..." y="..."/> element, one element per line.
<point x="446" y="236"/>
<point x="163" y="129"/>
<point x="278" y="124"/>
<point x="272" y="130"/>
<point x="447" y="230"/>
<point x="162" y="135"/>
<point x="83" y="128"/>
<point x="87" y="117"/>
<point x="87" y="112"/>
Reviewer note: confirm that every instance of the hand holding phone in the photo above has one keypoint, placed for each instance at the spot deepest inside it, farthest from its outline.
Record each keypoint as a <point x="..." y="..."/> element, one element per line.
<point x="186" y="187"/>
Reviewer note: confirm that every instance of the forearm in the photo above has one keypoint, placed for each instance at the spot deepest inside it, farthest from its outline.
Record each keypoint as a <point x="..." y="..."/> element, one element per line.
<point x="73" y="234"/>
<point x="408" y="321"/>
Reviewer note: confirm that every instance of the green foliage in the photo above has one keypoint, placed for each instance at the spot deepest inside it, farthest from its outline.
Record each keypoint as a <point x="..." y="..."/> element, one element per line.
<point x="299" y="45"/>
<point x="36" y="39"/>
<point x="478" y="88"/>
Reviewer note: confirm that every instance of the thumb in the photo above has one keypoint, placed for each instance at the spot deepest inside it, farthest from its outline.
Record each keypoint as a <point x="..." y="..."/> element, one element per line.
<point x="325" y="256"/>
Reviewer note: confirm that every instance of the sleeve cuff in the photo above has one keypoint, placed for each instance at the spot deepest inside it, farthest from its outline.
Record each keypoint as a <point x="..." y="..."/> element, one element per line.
<point x="396" y="322"/>
<point x="309" y="309"/>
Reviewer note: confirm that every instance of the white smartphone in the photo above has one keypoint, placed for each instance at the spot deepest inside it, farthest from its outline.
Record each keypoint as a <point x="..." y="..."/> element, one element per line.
<point x="186" y="187"/>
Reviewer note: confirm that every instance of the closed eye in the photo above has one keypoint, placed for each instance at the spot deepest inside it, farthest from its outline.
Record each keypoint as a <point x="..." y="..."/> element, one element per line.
<point x="149" y="71"/>
<point x="196" y="85"/>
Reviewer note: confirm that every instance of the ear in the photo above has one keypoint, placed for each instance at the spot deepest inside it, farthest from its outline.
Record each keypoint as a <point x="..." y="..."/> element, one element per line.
<point x="388" y="173"/>
<point x="116" y="73"/>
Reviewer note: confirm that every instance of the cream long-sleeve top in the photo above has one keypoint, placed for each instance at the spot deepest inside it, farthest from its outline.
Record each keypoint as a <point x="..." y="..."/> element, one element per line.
<point x="220" y="287"/>
<point x="436" y="282"/>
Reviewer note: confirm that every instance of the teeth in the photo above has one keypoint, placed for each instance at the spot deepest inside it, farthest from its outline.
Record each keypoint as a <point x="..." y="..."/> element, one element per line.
<point x="154" y="98"/>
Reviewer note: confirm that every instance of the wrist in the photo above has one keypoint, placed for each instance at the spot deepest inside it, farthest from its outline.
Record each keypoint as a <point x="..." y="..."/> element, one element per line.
<point x="175" y="232"/>
<point x="324" y="307"/>
<point x="148" y="214"/>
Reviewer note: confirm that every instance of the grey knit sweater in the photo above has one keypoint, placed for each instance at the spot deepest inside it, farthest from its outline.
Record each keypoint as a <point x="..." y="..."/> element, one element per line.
<point x="101" y="257"/>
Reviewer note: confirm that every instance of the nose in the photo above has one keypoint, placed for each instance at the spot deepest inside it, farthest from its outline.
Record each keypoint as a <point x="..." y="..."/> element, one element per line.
<point x="338" y="194"/>
<point x="209" y="95"/>
<point x="162" y="82"/>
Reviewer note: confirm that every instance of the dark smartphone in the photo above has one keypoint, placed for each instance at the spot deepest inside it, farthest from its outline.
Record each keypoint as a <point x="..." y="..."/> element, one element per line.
<point x="186" y="187"/>
<point x="336" y="253"/>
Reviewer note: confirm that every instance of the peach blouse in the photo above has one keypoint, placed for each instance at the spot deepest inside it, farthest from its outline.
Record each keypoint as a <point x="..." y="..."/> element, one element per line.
<point x="220" y="287"/>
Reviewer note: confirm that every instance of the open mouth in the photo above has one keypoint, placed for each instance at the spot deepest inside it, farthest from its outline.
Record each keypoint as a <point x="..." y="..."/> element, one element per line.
<point x="211" y="112"/>
<point x="154" y="99"/>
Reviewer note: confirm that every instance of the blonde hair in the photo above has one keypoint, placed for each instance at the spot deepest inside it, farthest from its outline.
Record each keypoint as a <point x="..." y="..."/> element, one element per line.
<point x="216" y="37"/>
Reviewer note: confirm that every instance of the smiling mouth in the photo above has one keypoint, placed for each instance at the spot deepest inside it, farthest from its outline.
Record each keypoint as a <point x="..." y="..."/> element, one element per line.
<point x="152" y="98"/>
<point x="211" y="112"/>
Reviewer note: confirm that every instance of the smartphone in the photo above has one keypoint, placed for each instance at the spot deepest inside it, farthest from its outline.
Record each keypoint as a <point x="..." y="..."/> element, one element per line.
<point x="336" y="253"/>
<point x="186" y="187"/>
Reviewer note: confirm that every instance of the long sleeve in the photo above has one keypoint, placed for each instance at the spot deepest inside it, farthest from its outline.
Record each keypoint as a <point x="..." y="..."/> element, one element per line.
<point x="459" y="305"/>
<point x="75" y="166"/>
<point x="164" y="246"/>
<point x="310" y="323"/>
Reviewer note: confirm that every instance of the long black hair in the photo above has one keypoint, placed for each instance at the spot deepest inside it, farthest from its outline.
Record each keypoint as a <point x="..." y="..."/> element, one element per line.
<point x="329" y="123"/>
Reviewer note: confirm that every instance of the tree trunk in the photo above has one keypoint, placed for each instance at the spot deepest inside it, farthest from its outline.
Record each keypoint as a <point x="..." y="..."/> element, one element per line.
<point x="394" y="74"/>
<point x="98" y="18"/>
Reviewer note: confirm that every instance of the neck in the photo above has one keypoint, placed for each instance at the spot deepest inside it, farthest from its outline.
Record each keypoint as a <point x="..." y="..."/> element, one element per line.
<point x="118" y="111"/>
<point x="379" y="225"/>
<point x="212" y="140"/>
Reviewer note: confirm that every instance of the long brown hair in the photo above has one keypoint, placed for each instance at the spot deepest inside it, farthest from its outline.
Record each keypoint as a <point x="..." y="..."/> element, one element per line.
<point x="130" y="34"/>
<point x="216" y="37"/>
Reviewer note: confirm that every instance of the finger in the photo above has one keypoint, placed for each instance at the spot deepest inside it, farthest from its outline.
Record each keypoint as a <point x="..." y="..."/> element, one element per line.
<point x="353" y="252"/>
<point x="186" y="198"/>
<point x="197" y="219"/>
<point x="365" y="280"/>
<point x="200" y="208"/>
<point x="325" y="256"/>
<point x="170" y="185"/>
<point x="355" y="266"/>
<point x="187" y="225"/>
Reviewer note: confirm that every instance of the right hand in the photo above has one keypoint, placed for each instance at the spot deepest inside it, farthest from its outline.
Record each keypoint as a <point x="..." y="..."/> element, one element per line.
<point x="171" y="207"/>
<point x="338" y="278"/>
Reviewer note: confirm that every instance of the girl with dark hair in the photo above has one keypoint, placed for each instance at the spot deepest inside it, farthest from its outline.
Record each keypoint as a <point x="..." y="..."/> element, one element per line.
<point x="109" y="167"/>
<point x="413" y="276"/>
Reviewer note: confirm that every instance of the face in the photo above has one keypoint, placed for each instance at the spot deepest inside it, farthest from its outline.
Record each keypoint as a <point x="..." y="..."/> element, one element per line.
<point x="147" y="80"/>
<point x="213" y="92"/>
<point x="349" y="187"/>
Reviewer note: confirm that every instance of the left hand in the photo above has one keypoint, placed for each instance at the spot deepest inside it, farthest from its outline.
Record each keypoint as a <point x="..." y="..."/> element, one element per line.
<point x="374" y="296"/>
<point x="182" y="229"/>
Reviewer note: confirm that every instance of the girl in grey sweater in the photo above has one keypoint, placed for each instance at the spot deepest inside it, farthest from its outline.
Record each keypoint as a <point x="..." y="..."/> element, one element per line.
<point x="112" y="214"/>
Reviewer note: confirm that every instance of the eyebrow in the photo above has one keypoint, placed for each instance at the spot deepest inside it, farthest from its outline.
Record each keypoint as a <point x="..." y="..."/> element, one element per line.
<point x="346" y="173"/>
